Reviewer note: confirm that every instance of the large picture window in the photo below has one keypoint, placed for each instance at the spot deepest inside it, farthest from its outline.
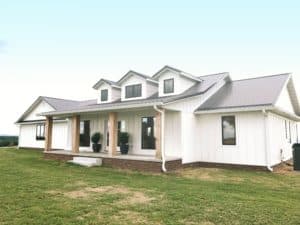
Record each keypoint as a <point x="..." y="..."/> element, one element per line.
<point x="228" y="130"/>
<point x="148" y="139"/>
<point x="133" y="91"/>
<point x="168" y="86"/>
<point x="40" y="131"/>
<point x="104" y="95"/>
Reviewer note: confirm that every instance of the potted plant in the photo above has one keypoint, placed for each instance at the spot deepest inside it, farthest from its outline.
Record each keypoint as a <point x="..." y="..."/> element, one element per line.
<point x="95" y="139"/>
<point x="123" y="138"/>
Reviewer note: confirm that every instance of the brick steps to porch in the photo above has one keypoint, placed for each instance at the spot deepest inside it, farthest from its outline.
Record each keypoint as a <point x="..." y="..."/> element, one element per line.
<point x="86" y="161"/>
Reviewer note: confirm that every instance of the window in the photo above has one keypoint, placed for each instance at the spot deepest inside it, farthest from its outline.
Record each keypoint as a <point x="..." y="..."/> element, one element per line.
<point x="168" y="86"/>
<point x="121" y="128"/>
<point x="85" y="133"/>
<point x="148" y="139"/>
<point x="104" y="95"/>
<point x="228" y="130"/>
<point x="40" y="132"/>
<point x="133" y="91"/>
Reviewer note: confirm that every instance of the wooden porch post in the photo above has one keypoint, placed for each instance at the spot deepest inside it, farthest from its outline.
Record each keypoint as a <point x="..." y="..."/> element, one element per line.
<point x="75" y="133"/>
<point x="48" y="133"/>
<point x="113" y="127"/>
<point x="158" y="135"/>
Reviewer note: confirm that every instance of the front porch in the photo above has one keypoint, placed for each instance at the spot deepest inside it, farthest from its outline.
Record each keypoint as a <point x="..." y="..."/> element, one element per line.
<point x="143" y="125"/>
<point x="132" y="162"/>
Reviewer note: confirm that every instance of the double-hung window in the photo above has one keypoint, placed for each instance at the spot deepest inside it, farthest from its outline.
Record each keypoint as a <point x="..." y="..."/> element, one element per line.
<point x="40" y="132"/>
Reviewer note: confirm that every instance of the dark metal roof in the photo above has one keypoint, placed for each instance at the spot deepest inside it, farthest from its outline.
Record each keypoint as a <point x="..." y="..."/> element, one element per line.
<point x="249" y="92"/>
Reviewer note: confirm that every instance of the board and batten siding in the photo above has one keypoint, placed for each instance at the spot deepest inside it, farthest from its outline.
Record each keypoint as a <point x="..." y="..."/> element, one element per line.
<point x="41" y="107"/>
<point x="112" y="95"/>
<point x="27" y="138"/>
<point x="181" y="83"/>
<point x="280" y="147"/>
<point x="206" y="146"/>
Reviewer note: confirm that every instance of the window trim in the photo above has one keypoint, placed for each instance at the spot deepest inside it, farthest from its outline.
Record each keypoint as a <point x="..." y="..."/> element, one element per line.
<point x="235" y="136"/>
<point x="133" y="86"/>
<point x="169" y="92"/>
<point x="39" y="135"/>
<point x="101" y="97"/>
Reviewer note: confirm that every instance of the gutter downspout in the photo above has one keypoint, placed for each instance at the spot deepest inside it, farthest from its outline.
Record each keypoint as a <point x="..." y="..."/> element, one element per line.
<point x="162" y="112"/>
<point x="267" y="139"/>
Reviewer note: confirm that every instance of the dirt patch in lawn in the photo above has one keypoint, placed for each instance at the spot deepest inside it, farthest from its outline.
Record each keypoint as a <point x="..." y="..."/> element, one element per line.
<point x="128" y="196"/>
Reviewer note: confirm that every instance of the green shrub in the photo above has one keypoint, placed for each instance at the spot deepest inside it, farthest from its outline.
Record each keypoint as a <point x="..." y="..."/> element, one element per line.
<point x="123" y="138"/>
<point x="96" y="137"/>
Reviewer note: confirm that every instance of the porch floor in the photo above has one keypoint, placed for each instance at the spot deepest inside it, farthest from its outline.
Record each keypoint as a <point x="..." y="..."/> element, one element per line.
<point x="149" y="158"/>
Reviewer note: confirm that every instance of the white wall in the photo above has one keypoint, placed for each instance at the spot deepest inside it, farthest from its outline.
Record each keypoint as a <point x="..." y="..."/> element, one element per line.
<point x="113" y="93"/>
<point x="206" y="146"/>
<point x="279" y="146"/>
<point x="181" y="83"/>
<point x="284" y="101"/>
<point x="41" y="107"/>
<point x="27" y="136"/>
<point x="173" y="133"/>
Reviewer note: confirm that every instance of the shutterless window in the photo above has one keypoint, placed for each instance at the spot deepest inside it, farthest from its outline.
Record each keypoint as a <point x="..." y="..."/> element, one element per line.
<point x="133" y="91"/>
<point x="104" y="95"/>
<point x="40" y="132"/>
<point x="168" y="86"/>
<point x="228" y="130"/>
<point x="148" y="139"/>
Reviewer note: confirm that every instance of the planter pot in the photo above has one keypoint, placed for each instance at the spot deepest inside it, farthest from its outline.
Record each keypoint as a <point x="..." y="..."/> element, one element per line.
<point x="97" y="147"/>
<point x="124" y="149"/>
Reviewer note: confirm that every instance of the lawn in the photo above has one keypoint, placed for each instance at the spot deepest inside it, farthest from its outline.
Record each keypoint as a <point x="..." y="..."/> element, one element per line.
<point x="37" y="191"/>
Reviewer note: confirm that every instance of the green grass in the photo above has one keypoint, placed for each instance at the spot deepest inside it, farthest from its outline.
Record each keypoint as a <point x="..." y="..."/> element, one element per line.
<point x="37" y="191"/>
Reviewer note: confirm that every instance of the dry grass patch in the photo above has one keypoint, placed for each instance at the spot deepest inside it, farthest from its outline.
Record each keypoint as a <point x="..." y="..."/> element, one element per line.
<point x="129" y="196"/>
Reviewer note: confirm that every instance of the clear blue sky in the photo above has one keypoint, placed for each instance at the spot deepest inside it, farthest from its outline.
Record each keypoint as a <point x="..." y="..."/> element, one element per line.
<point x="61" y="48"/>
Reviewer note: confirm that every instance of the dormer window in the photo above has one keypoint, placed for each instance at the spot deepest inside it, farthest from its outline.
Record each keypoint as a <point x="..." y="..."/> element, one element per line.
<point x="133" y="91"/>
<point x="104" y="95"/>
<point x="169" y="86"/>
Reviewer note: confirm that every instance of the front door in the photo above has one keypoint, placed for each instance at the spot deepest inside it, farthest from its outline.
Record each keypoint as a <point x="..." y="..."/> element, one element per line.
<point x="85" y="133"/>
<point x="148" y="139"/>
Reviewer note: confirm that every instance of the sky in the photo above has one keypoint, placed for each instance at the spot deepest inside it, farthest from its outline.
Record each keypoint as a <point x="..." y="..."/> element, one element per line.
<point x="61" y="48"/>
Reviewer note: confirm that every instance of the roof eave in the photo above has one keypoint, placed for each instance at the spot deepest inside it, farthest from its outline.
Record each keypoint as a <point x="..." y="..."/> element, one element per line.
<point x="117" y="107"/>
<point x="235" y="109"/>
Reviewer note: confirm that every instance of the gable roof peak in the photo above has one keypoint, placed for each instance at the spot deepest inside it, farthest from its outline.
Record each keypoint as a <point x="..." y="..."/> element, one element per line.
<point x="130" y="72"/>
<point x="180" y="72"/>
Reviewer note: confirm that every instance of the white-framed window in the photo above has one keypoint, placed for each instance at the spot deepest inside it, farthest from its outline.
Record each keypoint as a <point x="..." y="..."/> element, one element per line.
<point x="40" y="132"/>
<point x="169" y="86"/>
<point x="228" y="130"/>
<point x="104" y="95"/>
<point x="133" y="91"/>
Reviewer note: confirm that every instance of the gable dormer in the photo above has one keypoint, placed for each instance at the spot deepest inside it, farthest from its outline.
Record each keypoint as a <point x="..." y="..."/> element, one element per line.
<point x="172" y="81"/>
<point x="107" y="91"/>
<point x="137" y="86"/>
